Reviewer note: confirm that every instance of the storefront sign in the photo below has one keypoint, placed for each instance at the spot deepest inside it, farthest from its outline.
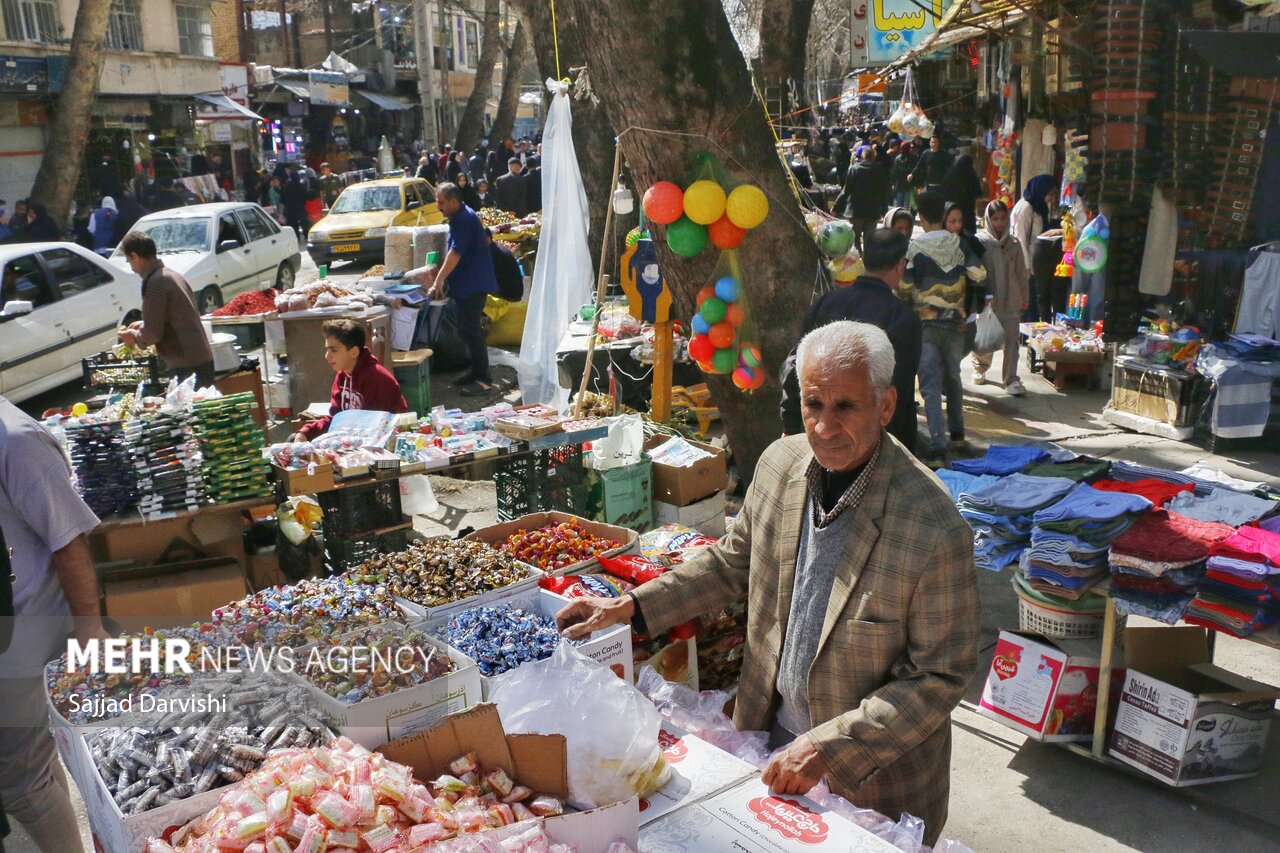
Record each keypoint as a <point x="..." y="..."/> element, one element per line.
<point x="329" y="89"/>
<point x="24" y="74"/>
<point x="897" y="26"/>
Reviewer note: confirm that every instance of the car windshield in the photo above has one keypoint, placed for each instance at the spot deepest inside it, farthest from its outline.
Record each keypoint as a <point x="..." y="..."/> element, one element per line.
<point x="174" y="236"/>
<point x="356" y="199"/>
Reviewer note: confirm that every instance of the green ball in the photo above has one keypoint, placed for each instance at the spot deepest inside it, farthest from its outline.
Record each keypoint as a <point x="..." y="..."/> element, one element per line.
<point x="725" y="360"/>
<point x="713" y="310"/>
<point x="686" y="237"/>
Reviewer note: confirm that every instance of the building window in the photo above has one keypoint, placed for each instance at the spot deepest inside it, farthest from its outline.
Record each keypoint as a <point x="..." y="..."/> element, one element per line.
<point x="31" y="20"/>
<point x="472" y="59"/>
<point x="195" y="31"/>
<point x="123" y="29"/>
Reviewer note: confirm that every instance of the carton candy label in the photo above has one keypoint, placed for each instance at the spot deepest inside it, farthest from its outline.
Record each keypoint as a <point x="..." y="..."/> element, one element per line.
<point x="789" y="819"/>
<point x="1005" y="667"/>
<point x="673" y="748"/>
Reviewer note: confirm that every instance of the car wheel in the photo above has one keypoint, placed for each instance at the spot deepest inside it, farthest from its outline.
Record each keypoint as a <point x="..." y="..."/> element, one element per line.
<point x="210" y="299"/>
<point x="284" y="276"/>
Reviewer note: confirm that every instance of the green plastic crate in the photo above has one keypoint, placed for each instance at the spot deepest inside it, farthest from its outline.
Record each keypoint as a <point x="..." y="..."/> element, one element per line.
<point x="622" y="496"/>
<point x="415" y="384"/>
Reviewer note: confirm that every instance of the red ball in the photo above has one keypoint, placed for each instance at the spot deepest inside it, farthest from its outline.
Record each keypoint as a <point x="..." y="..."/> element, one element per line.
<point x="663" y="203"/>
<point x="706" y="293"/>
<point x="701" y="348"/>
<point x="735" y="314"/>
<point x="724" y="234"/>
<point x="721" y="335"/>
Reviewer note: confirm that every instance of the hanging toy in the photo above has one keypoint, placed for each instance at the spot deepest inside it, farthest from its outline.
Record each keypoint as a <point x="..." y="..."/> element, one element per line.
<point x="704" y="201"/>
<point x="686" y="237"/>
<point x="663" y="203"/>
<point x="747" y="206"/>
<point x="835" y="238"/>
<point x="724" y="234"/>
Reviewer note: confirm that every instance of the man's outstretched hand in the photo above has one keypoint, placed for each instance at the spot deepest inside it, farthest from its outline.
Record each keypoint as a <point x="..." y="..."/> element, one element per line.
<point x="795" y="769"/>
<point x="582" y="617"/>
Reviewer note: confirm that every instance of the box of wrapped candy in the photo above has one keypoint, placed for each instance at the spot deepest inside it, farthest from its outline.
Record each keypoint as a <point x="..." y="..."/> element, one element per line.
<point x="502" y="636"/>
<point x="381" y="682"/>
<point x="539" y="762"/>
<point x="556" y="542"/>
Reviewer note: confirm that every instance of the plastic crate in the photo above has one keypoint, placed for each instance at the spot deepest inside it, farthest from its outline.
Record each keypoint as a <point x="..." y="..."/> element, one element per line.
<point x="104" y="371"/>
<point x="350" y="512"/>
<point x="415" y="384"/>
<point x="345" y="553"/>
<point x="541" y="481"/>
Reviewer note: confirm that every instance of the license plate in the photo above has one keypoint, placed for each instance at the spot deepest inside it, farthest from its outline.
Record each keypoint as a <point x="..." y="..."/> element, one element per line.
<point x="346" y="247"/>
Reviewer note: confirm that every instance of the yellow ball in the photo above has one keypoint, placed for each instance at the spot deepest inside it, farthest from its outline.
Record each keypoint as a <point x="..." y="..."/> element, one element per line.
<point x="747" y="206"/>
<point x="79" y="410"/>
<point x="704" y="202"/>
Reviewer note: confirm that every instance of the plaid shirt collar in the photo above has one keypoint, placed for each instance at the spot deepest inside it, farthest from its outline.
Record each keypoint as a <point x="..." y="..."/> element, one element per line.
<point x="851" y="497"/>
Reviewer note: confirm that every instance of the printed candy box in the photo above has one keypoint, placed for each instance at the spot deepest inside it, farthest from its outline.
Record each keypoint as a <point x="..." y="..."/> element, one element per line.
<point x="698" y="770"/>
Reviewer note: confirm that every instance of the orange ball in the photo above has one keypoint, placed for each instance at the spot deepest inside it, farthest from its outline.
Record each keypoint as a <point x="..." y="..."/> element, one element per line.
<point x="663" y="203"/>
<point x="724" y="234"/>
<point x="735" y="314"/>
<point x="722" y="334"/>
<point x="705" y="294"/>
<point x="743" y="377"/>
<point x="706" y="367"/>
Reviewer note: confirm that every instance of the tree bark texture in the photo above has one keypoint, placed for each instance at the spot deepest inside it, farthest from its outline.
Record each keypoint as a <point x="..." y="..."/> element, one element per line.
<point x="512" y="73"/>
<point x="55" y="183"/>
<point x="784" y="38"/>
<point x="471" y="125"/>
<point x="673" y="65"/>
<point x="593" y="134"/>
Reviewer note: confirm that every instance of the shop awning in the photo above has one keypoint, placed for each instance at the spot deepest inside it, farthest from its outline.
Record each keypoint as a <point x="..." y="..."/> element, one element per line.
<point x="386" y="102"/>
<point x="297" y="87"/>
<point x="227" y="105"/>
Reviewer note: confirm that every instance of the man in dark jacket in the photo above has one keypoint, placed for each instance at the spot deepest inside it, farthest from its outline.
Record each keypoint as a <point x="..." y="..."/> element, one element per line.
<point x="475" y="166"/>
<point x="40" y="226"/>
<point x="932" y="168"/>
<point x="865" y="197"/>
<point x="533" y="184"/>
<point x="510" y="193"/>
<point x="870" y="299"/>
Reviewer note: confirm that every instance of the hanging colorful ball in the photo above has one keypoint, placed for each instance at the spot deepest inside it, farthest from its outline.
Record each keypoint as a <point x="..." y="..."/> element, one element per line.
<point x="704" y="202"/>
<point x="721" y="335"/>
<point x="701" y="349"/>
<point x="743" y="377"/>
<point x="700" y="325"/>
<point x="747" y="206"/>
<point x="686" y="237"/>
<point x="663" y="203"/>
<point x="635" y="235"/>
<point x="835" y="238"/>
<point x="705" y="367"/>
<point x="727" y="288"/>
<point x="724" y="234"/>
<point x="735" y="314"/>
<point x="751" y="356"/>
<point x="713" y="310"/>
<point x="706" y="293"/>
<point x="724" y="360"/>
<point x="759" y="380"/>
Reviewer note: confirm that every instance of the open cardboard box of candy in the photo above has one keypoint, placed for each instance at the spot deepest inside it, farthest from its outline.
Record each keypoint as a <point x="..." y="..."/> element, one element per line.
<point x="556" y="542"/>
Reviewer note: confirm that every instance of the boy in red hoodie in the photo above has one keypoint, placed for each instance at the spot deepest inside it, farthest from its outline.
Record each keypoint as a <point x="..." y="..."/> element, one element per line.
<point x="362" y="382"/>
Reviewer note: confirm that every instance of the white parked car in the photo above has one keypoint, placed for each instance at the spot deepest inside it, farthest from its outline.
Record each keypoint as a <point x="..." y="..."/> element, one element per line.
<point x="222" y="249"/>
<point x="59" y="303"/>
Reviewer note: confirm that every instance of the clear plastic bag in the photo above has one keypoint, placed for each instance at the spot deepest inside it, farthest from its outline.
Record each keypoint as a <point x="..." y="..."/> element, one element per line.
<point x="610" y="729"/>
<point x="989" y="334"/>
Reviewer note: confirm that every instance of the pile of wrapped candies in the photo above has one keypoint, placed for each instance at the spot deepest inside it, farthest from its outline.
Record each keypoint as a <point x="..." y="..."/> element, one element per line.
<point x="150" y="765"/>
<point x="501" y="638"/>
<point x="104" y="471"/>
<point x="305" y="611"/>
<point x="372" y="662"/>
<point x="439" y="571"/>
<point x="167" y="460"/>
<point x="231" y="441"/>
<point x="556" y="545"/>
<point x="344" y="797"/>
<point x="290" y="455"/>
<point x="100" y="695"/>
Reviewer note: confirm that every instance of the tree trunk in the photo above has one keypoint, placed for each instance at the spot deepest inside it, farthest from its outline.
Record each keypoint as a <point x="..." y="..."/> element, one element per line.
<point x="55" y="183"/>
<point x="512" y="73"/>
<point x="471" y="125"/>
<point x="673" y="65"/>
<point x="784" y="38"/>
<point x="593" y="133"/>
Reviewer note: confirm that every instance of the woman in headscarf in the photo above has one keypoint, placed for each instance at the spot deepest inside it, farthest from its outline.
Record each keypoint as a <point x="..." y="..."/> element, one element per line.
<point x="102" y="224"/>
<point x="470" y="197"/>
<point x="962" y="187"/>
<point x="899" y="219"/>
<point x="1029" y="219"/>
<point x="1008" y="293"/>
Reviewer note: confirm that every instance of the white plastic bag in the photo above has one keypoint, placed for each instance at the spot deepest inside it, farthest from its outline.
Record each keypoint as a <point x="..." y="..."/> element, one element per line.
<point x="623" y="446"/>
<point x="610" y="729"/>
<point x="990" y="334"/>
<point x="417" y="496"/>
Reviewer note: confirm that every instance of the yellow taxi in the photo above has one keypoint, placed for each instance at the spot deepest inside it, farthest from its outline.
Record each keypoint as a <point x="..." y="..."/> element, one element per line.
<point x="356" y="226"/>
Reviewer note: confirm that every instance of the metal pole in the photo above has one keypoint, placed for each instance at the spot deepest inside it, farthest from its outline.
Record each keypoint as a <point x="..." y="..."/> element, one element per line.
<point x="604" y="279"/>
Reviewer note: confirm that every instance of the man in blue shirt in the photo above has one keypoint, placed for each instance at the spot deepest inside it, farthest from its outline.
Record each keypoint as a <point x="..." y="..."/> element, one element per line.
<point x="467" y="275"/>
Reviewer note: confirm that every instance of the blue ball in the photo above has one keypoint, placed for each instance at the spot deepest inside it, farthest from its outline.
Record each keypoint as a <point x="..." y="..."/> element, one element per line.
<point x="727" y="289"/>
<point x="700" y="326"/>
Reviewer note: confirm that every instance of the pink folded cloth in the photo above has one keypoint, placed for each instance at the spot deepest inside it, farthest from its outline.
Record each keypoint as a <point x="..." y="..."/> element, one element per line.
<point x="1250" y="543"/>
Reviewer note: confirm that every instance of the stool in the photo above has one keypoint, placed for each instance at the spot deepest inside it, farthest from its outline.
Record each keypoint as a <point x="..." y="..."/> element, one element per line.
<point x="412" y="370"/>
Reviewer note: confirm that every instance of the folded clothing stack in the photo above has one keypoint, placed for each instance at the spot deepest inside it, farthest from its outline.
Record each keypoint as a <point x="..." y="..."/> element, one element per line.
<point x="1225" y="505"/>
<point x="1002" y="459"/>
<point x="1159" y="492"/>
<point x="1132" y="472"/>
<point x="1157" y="564"/>
<point x="1240" y="593"/>
<point x="1070" y="539"/>
<point x="958" y="482"/>
<point x="1082" y="470"/>
<point x="1000" y="515"/>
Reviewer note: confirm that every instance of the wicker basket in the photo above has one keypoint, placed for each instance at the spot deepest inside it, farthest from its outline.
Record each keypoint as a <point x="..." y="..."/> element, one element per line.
<point x="1060" y="623"/>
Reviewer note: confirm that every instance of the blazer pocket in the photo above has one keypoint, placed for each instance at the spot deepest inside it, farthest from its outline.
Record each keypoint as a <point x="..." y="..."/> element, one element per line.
<point x="879" y="641"/>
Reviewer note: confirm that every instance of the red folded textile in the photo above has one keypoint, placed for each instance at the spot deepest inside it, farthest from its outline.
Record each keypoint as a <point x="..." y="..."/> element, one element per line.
<point x="1250" y="543"/>
<point x="1157" y="491"/>
<point x="1165" y="536"/>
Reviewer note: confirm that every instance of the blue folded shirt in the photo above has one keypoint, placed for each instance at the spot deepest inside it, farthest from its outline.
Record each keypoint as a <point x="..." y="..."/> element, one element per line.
<point x="1001" y="459"/>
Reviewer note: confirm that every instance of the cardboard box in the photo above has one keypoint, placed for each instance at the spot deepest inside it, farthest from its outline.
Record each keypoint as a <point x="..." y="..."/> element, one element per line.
<point x="414" y="612"/>
<point x="698" y="770"/>
<point x="706" y="516"/>
<point x="1045" y="688"/>
<point x="303" y="481"/>
<point x="622" y="496"/>
<point x="610" y="647"/>
<point x="747" y="817"/>
<point x="1183" y="720"/>
<point x="384" y="718"/>
<point x="684" y="486"/>
<point x="536" y="761"/>
<point x="676" y="661"/>
<point x="164" y="596"/>
<point x="497" y="534"/>
<point x="1156" y="394"/>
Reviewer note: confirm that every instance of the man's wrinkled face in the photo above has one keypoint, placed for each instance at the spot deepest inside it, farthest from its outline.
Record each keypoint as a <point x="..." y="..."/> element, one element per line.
<point x="842" y="417"/>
